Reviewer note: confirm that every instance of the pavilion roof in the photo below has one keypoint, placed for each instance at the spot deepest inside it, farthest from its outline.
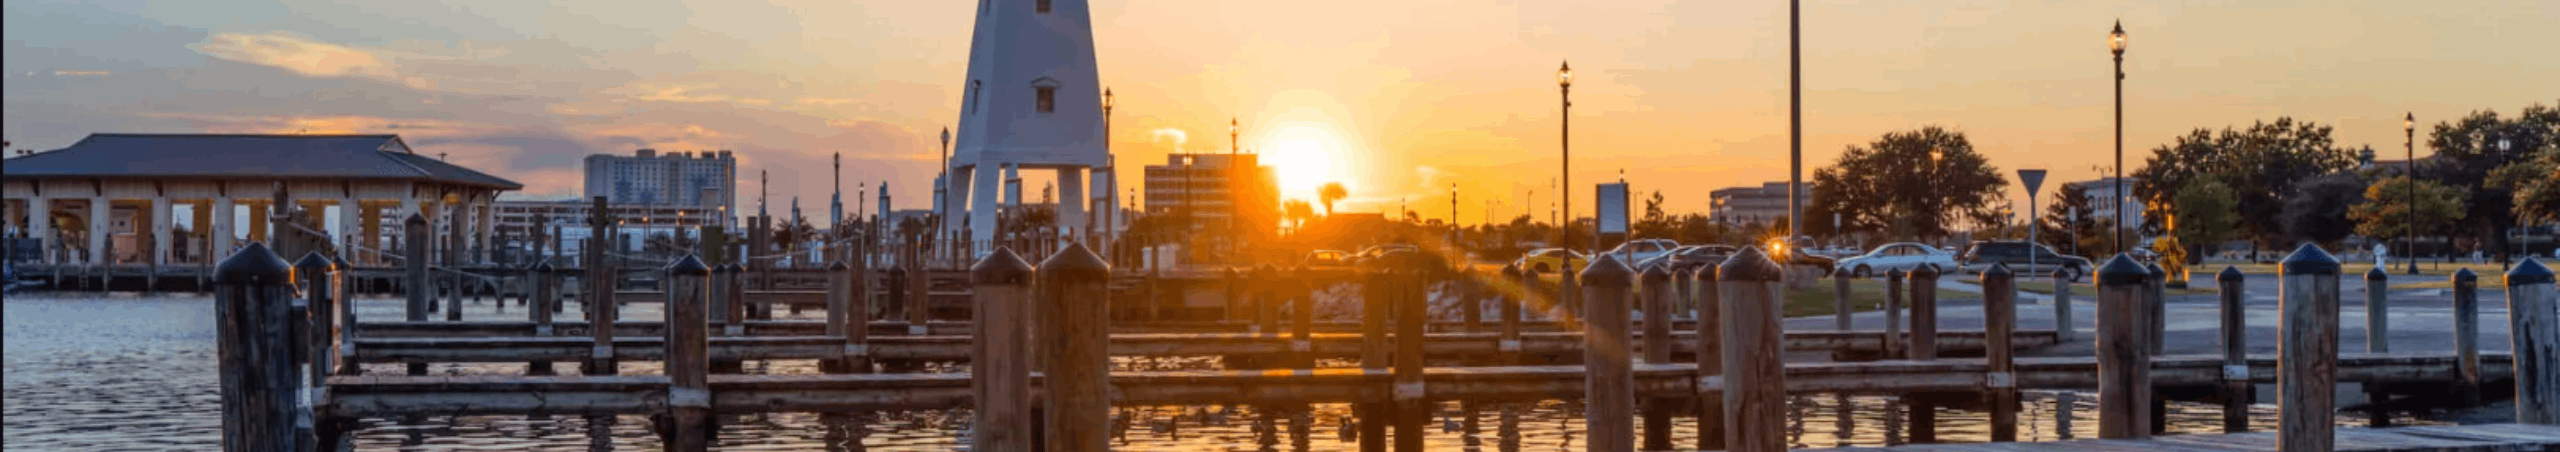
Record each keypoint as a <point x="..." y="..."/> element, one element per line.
<point x="297" y="156"/>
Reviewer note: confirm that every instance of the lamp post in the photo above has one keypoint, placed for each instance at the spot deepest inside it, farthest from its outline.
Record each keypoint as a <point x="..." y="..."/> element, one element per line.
<point x="1795" y="122"/>
<point x="943" y="208"/>
<point x="1101" y="206"/>
<point x="2115" y="44"/>
<point x="2409" y="147"/>
<point x="1234" y="167"/>
<point x="1564" y="91"/>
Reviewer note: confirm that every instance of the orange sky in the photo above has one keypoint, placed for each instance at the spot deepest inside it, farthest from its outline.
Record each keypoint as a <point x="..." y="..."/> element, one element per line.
<point x="1404" y="97"/>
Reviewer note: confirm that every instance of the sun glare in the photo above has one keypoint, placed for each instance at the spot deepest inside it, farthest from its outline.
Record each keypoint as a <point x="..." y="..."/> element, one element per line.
<point x="1305" y="157"/>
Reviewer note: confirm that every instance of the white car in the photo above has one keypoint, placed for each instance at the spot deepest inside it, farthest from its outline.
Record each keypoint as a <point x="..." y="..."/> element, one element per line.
<point x="1640" y="250"/>
<point x="1904" y="256"/>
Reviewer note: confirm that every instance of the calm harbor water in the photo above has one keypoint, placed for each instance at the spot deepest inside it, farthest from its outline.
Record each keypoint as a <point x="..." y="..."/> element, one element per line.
<point x="123" y="372"/>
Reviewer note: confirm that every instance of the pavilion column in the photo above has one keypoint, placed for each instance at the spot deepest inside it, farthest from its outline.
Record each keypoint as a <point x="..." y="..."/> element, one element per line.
<point x="466" y="244"/>
<point x="98" y="229"/>
<point x="350" y="210"/>
<point x="488" y="222"/>
<point x="258" y="220"/>
<point x="1070" y="211"/>
<point x="200" y="226"/>
<point x="40" y="225"/>
<point x="372" y="235"/>
<point x="225" y="213"/>
<point x="161" y="212"/>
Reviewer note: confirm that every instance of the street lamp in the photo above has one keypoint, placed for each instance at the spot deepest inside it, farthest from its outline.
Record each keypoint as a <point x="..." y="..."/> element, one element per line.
<point x="2409" y="145"/>
<point x="944" y="208"/>
<point x="1233" y="172"/>
<point x="2115" y="44"/>
<point x="1564" y="91"/>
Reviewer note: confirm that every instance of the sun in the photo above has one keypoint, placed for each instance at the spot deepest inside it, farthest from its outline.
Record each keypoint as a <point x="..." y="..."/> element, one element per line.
<point x="1302" y="164"/>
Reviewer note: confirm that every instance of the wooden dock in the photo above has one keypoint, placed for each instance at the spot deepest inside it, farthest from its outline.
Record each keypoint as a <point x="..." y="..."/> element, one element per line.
<point x="2432" y="438"/>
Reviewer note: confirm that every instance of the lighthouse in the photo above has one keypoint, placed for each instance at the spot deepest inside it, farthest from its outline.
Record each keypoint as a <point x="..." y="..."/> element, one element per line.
<point x="1033" y="101"/>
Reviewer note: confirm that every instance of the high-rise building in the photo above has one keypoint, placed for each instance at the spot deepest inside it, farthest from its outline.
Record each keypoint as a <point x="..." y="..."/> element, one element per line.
<point x="1212" y="186"/>
<point x="1762" y="205"/>
<point x="706" y="179"/>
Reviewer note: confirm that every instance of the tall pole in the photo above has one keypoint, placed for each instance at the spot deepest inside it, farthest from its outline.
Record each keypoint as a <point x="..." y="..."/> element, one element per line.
<point x="2115" y="44"/>
<point x="2409" y="125"/>
<point x="1795" y="122"/>
<point x="942" y="205"/>
<point x="1233" y="169"/>
<point x="1102" y="205"/>
<point x="1564" y="193"/>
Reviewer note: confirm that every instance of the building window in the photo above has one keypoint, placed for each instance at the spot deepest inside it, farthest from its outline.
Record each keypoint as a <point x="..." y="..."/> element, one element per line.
<point x="1042" y="5"/>
<point x="1048" y="101"/>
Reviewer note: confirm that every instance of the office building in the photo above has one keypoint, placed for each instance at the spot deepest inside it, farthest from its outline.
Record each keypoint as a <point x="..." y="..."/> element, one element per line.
<point x="704" y="179"/>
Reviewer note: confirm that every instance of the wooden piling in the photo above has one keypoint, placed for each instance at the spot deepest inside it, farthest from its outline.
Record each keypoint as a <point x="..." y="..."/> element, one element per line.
<point x="2534" y="326"/>
<point x="1840" y="307"/>
<point x="1374" y="351"/>
<point x="2377" y="334"/>
<point x="546" y="293"/>
<point x="2307" y="366"/>
<point x="734" y="281"/>
<point x="2124" y="352"/>
<point x="420" y="290"/>
<point x="1266" y="304"/>
<point x="1755" y="380"/>
<point x="2466" y="336"/>
<point x="2236" y="387"/>
<point x="1000" y="369"/>
<point x="1235" y="305"/>
<point x="2156" y="309"/>
<point x="1470" y="295"/>
<point x="688" y="360"/>
<point x="1659" y="293"/>
<point x="1512" y="303"/>
<point x="1893" y="339"/>
<point x="1302" y="324"/>
<point x="253" y="306"/>
<point x="346" y="310"/>
<point x="1408" y="292"/>
<point x="1999" y="319"/>
<point x="315" y="319"/>
<point x="1924" y="317"/>
<point x="841" y="320"/>
<point x="919" y="294"/>
<point x="1076" y="320"/>
<point x="1609" y="387"/>
<point x="2062" y="329"/>
<point x="1709" y="337"/>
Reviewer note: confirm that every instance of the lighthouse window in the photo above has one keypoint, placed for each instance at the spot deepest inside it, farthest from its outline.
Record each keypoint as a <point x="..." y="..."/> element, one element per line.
<point x="1048" y="101"/>
<point x="1043" y="5"/>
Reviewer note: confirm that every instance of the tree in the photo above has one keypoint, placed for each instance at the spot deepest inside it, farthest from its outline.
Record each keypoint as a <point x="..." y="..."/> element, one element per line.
<point x="1910" y="184"/>
<point x="2537" y="193"/>
<point x="2204" y="215"/>
<point x="2385" y="213"/>
<point x="2317" y="208"/>
<point x="2469" y="149"/>
<point x="2260" y="164"/>
<point x="1298" y="212"/>
<point x="1330" y="192"/>
<point x="2070" y="224"/>
<point x="1656" y="223"/>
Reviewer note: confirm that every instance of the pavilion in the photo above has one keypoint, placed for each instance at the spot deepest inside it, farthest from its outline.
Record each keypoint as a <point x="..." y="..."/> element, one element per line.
<point x="109" y="199"/>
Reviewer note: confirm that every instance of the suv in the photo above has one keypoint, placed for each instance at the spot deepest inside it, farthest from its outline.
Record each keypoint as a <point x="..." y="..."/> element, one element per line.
<point x="2045" y="261"/>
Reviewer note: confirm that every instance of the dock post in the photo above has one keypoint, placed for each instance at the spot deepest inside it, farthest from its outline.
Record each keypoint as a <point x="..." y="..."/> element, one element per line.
<point x="1235" y="311"/>
<point x="2156" y="304"/>
<point x="2062" y="329"/>
<point x="1512" y="303"/>
<point x="1659" y="292"/>
<point x="2535" y="331"/>
<point x="735" y="275"/>
<point x="2307" y="368"/>
<point x="1893" y="338"/>
<point x="316" y="319"/>
<point x="1710" y="328"/>
<point x="1074" y="285"/>
<point x="2000" y="320"/>
<point x="546" y="292"/>
<point x="1840" y="307"/>
<point x="841" y="322"/>
<point x="1000" y="368"/>
<point x="1755" y="380"/>
<point x="2235" y="349"/>
<point x="1609" y="380"/>
<point x="602" y="312"/>
<point x="1302" y="323"/>
<point x="420" y="289"/>
<point x="2377" y="334"/>
<point x="1266" y="300"/>
<point x="920" y="294"/>
<point x="1924" y="347"/>
<point x="2466" y="336"/>
<point x="2124" y="353"/>
<point x="1374" y="349"/>
<point x="346" y="310"/>
<point x="1470" y="295"/>
<point x="895" y="294"/>
<point x="1409" y="293"/>
<point x="688" y="361"/>
<point x="253" y="305"/>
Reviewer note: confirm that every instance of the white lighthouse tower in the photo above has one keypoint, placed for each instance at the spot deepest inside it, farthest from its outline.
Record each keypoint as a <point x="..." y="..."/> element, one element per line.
<point x="1033" y="101"/>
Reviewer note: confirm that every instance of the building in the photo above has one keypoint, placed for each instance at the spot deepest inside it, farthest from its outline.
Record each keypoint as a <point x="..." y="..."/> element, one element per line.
<point x="2098" y="191"/>
<point x="1212" y="187"/>
<point x="1033" y="100"/>
<point x="684" y="179"/>
<point x="517" y="218"/>
<point x="357" y="189"/>
<point x="1764" y="204"/>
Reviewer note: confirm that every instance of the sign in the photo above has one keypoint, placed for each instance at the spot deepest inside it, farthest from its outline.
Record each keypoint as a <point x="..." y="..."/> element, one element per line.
<point x="2033" y="179"/>
<point x="1611" y="211"/>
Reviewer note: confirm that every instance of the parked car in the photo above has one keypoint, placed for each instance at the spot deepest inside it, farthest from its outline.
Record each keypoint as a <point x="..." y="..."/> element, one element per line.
<point x="1687" y="258"/>
<point x="1374" y="252"/>
<point x="1326" y="257"/>
<point x="1903" y="256"/>
<point x="2015" y="255"/>
<point x="1641" y="250"/>
<point x="1551" y="260"/>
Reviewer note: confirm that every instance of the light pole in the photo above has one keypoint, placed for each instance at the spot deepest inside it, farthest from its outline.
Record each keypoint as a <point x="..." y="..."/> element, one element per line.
<point x="1564" y="91"/>
<point x="1103" y="205"/>
<point x="943" y="208"/>
<point x="2409" y="146"/>
<point x="1233" y="235"/>
<point x="1795" y="123"/>
<point x="2115" y="43"/>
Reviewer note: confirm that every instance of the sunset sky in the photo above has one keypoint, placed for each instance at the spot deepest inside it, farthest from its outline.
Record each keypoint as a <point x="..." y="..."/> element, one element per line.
<point x="1398" y="99"/>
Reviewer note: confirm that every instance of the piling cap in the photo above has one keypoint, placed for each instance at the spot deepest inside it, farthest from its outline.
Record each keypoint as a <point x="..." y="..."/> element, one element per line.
<point x="2122" y="270"/>
<point x="1705" y="273"/>
<point x="1894" y="273"/>
<point x="2465" y="276"/>
<point x="339" y="261"/>
<point x="1657" y="273"/>
<point x="1998" y="269"/>
<point x="252" y="264"/>
<point x="2309" y="259"/>
<point x="2228" y="274"/>
<point x="1511" y="270"/>
<point x="312" y="264"/>
<point x="1075" y="264"/>
<point x="1750" y="265"/>
<point x="2059" y="272"/>
<point x="415" y="219"/>
<point x="2530" y="271"/>
<point x="1924" y="272"/>
<point x="688" y="266"/>
<point x="733" y="267"/>
<point x="543" y="267"/>
<point x="2157" y="274"/>
<point x="1607" y="272"/>
<point x="1001" y="267"/>
<point x="837" y="266"/>
<point x="2376" y="274"/>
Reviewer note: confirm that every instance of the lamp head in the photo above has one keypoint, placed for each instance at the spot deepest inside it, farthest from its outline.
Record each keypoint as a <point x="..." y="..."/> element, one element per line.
<point x="2115" y="39"/>
<point x="1106" y="99"/>
<point x="1564" y="75"/>
<point x="2410" y="122"/>
<point x="946" y="134"/>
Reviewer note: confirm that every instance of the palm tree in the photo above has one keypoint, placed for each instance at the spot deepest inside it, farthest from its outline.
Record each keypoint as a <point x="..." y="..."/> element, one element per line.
<point x="1298" y="212"/>
<point x="1330" y="192"/>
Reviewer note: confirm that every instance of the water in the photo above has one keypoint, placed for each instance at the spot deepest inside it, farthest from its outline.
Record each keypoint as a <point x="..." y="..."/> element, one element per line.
<point x="121" y="372"/>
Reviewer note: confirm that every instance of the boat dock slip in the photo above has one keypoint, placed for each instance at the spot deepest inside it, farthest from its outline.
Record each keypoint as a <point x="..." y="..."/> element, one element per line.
<point x="2433" y="438"/>
<point x="378" y="346"/>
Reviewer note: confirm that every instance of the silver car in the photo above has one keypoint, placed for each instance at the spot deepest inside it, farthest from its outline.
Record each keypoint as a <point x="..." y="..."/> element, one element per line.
<point x="1905" y="256"/>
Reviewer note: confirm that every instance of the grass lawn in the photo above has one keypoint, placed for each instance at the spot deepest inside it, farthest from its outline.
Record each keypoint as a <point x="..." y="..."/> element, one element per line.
<point x="2427" y="269"/>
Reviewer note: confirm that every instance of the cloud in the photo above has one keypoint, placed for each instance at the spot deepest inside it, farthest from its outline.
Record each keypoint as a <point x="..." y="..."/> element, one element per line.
<point x="302" y="56"/>
<point x="1172" y="138"/>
